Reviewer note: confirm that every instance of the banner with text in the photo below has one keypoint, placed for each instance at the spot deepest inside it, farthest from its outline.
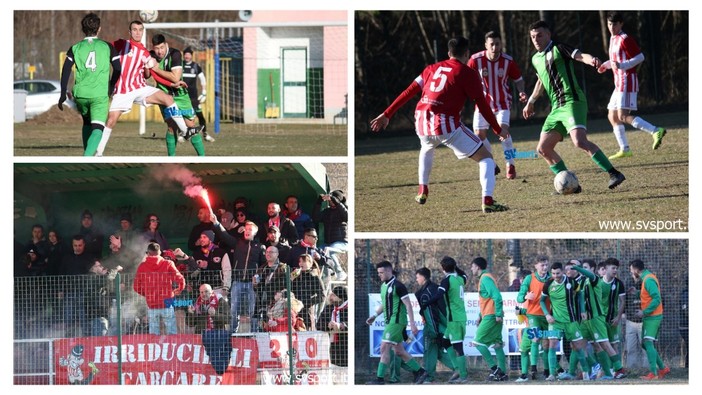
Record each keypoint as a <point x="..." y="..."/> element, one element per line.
<point x="150" y="359"/>
<point x="511" y="330"/>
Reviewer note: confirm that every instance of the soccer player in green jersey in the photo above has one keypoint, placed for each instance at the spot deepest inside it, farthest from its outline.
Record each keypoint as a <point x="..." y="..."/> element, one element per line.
<point x="652" y="314"/>
<point x="489" y="332"/>
<point x="614" y="296"/>
<point x="451" y="290"/>
<point x="396" y="307"/>
<point x="434" y="318"/>
<point x="563" y="316"/>
<point x="93" y="85"/>
<point x="554" y="64"/>
<point x="170" y="68"/>
<point x="530" y="296"/>
<point x="594" y="324"/>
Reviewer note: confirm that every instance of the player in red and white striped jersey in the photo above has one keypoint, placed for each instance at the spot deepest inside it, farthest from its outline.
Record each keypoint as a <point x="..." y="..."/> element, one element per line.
<point x="624" y="57"/>
<point x="445" y="87"/>
<point x="496" y="69"/>
<point x="132" y="88"/>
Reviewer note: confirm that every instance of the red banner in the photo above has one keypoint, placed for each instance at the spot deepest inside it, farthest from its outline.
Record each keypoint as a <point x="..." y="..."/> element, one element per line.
<point x="150" y="359"/>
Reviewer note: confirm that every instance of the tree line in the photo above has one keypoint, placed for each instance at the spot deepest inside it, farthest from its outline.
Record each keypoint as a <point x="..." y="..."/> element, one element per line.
<point x="393" y="47"/>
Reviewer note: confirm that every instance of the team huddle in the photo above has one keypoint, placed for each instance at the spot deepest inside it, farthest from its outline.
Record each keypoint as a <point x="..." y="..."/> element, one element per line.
<point x="131" y="65"/>
<point x="578" y="303"/>
<point x="484" y="78"/>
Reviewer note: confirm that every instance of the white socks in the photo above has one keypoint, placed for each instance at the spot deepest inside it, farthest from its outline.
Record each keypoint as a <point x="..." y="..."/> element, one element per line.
<point x="177" y="118"/>
<point x="103" y="141"/>
<point x="620" y="134"/>
<point x="426" y="161"/>
<point x="487" y="176"/>
<point x="508" y="148"/>
<point x="640" y="124"/>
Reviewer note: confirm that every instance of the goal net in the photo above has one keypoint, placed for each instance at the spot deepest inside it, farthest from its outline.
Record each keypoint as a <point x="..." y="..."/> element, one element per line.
<point x="267" y="77"/>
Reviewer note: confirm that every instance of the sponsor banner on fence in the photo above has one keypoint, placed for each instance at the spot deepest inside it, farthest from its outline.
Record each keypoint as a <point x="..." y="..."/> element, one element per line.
<point x="150" y="359"/>
<point x="511" y="330"/>
<point x="310" y="358"/>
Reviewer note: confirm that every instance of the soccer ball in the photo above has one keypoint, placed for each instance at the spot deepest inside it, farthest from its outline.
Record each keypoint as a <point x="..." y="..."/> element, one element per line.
<point x="565" y="182"/>
<point x="148" y="16"/>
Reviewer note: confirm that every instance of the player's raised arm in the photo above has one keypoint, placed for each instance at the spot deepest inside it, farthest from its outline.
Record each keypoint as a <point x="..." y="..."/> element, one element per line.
<point x="381" y="121"/>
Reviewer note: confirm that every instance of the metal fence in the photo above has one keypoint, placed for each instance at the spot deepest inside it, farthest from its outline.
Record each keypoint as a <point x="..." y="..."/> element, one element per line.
<point x="667" y="259"/>
<point x="59" y="320"/>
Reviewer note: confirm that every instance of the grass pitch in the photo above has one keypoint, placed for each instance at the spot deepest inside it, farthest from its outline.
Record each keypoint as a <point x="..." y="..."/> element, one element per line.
<point x="64" y="139"/>
<point x="477" y="376"/>
<point x="656" y="188"/>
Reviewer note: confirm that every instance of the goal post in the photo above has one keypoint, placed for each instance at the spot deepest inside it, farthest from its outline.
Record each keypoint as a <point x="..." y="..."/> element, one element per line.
<point x="275" y="76"/>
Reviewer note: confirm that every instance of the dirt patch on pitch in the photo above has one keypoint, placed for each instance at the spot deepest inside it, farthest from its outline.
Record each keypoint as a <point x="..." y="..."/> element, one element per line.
<point x="56" y="116"/>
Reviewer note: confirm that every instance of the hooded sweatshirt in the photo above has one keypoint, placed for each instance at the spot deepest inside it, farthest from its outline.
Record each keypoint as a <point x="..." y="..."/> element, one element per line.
<point x="154" y="280"/>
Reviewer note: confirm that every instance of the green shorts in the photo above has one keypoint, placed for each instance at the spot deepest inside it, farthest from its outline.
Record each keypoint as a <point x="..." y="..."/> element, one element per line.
<point x="94" y="108"/>
<point x="595" y="329"/>
<point x="650" y="327"/>
<point x="525" y="343"/>
<point x="613" y="333"/>
<point x="564" y="119"/>
<point x="455" y="331"/>
<point x="184" y="106"/>
<point x="393" y="333"/>
<point x="537" y="321"/>
<point x="570" y="330"/>
<point x="489" y="332"/>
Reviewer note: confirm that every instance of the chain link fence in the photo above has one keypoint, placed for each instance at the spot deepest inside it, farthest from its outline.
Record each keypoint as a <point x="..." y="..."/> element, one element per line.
<point x="69" y="330"/>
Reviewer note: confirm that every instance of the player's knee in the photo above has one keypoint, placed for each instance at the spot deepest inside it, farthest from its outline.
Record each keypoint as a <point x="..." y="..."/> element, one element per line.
<point x="458" y="347"/>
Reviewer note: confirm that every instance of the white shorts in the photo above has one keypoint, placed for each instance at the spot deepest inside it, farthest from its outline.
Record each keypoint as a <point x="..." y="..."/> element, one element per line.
<point x="123" y="101"/>
<point x="462" y="141"/>
<point x="479" y="122"/>
<point x="622" y="101"/>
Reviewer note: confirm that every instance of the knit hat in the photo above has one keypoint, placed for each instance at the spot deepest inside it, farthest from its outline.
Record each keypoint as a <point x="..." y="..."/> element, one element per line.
<point x="188" y="50"/>
<point x="169" y="254"/>
<point x="126" y="217"/>
<point x="424" y="272"/>
<point x="210" y="235"/>
<point x="339" y="194"/>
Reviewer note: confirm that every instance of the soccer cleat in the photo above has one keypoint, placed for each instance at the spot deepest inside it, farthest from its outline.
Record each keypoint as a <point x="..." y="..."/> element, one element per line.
<point x="494" y="207"/>
<point x="421" y="199"/>
<point x="550" y="378"/>
<point x="454" y="376"/>
<point x="497" y="169"/>
<point x="376" y="381"/>
<point x="459" y="381"/>
<point x="605" y="378"/>
<point x="615" y="179"/>
<point x="663" y="372"/>
<point x="565" y="376"/>
<point x="493" y="373"/>
<point x="501" y="376"/>
<point x="511" y="172"/>
<point x="420" y="376"/>
<point x="595" y="370"/>
<point x="649" y="376"/>
<point x="620" y="374"/>
<point x="522" y="379"/>
<point x="658" y="137"/>
<point x="622" y="154"/>
<point x="191" y="132"/>
<point x="586" y="376"/>
<point x="209" y="138"/>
